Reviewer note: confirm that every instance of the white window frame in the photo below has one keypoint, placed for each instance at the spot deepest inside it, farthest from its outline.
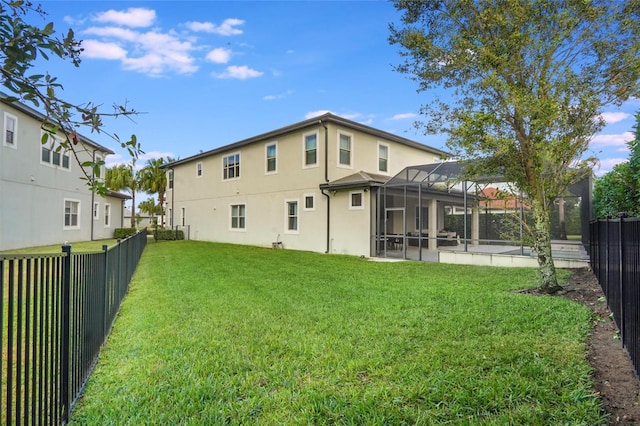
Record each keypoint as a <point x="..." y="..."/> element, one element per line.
<point x="52" y="144"/>
<point x="238" y="228"/>
<point x="199" y="169"/>
<point x="183" y="216"/>
<point x="304" y="206"/>
<point x="224" y="169"/>
<point x="107" y="215"/>
<point x="14" y="143"/>
<point x="170" y="177"/>
<point x="77" y="214"/>
<point x="385" y="145"/>
<point x="287" y="202"/>
<point x="304" y="150"/>
<point x="96" y="210"/>
<point x="351" y="150"/>
<point x="355" y="207"/>
<point x="266" y="158"/>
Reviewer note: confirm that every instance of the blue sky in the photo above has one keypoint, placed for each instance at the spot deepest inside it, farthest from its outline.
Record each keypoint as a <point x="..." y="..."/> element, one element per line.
<point x="209" y="73"/>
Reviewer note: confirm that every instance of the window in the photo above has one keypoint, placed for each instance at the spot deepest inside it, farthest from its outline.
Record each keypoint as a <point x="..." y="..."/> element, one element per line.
<point x="356" y="200"/>
<point x="231" y="166"/>
<point x="71" y="214"/>
<point x="272" y="157"/>
<point x="52" y="154"/>
<point x="309" y="201"/>
<point x="238" y="216"/>
<point x="292" y="216"/>
<point x="96" y="214"/>
<point x="383" y="158"/>
<point x="199" y="169"/>
<point x="107" y="215"/>
<point x="310" y="150"/>
<point x="344" y="150"/>
<point x="170" y="179"/>
<point x="183" y="214"/>
<point x="10" y="130"/>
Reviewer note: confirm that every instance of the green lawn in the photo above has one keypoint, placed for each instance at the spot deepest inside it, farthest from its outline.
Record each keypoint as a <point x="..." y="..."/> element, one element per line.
<point x="223" y="334"/>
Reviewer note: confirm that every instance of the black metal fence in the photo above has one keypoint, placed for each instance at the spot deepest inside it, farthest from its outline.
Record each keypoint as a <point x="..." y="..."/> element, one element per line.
<point x="56" y="312"/>
<point x="615" y="259"/>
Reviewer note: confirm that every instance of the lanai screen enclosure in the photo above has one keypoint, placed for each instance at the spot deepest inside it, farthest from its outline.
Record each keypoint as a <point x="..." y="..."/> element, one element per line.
<point x="430" y="207"/>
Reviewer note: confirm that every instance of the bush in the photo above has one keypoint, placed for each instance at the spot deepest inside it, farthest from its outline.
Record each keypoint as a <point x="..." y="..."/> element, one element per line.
<point x="168" y="235"/>
<point x="122" y="233"/>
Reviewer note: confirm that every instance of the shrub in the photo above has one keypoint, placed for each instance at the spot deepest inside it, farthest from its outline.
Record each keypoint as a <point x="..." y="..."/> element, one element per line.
<point x="168" y="235"/>
<point x="121" y="233"/>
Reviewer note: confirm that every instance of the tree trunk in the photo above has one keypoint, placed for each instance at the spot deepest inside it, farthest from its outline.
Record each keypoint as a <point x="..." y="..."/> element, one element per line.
<point x="133" y="209"/>
<point x="542" y="246"/>
<point x="161" y="202"/>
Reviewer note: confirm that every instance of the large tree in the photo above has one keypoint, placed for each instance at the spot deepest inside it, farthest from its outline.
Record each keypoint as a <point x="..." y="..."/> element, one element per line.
<point x="124" y="177"/>
<point x="619" y="190"/>
<point x="153" y="180"/>
<point x="523" y="84"/>
<point x="22" y="44"/>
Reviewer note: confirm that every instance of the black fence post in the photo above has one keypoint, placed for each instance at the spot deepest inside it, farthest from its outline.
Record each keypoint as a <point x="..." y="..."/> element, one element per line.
<point x="621" y="217"/>
<point x="66" y="317"/>
<point x="105" y="314"/>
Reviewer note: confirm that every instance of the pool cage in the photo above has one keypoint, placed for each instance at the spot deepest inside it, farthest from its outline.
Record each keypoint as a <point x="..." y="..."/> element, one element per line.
<point x="429" y="208"/>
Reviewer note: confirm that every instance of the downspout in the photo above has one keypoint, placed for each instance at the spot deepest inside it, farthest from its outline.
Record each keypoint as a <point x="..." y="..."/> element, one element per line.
<point x="93" y="193"/>
<point x="326" y="180"/>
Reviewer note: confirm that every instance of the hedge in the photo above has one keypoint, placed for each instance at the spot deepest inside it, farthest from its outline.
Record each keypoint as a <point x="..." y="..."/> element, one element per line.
<point x="168" y="234"/>
<point x="122" y="233"/>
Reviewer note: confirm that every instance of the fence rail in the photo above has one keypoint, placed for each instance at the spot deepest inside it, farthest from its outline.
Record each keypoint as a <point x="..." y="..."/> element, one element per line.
<point x="56" y="312"/>
<point x="615" y="259"/>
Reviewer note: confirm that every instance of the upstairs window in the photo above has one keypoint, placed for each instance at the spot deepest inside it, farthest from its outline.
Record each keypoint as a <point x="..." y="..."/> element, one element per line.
<point x="272" y="157"/>
<point x="231" y="166"/>
<point x="383" y="158"/>
<point x="199" y="169"/>
<point x="10" y="130"/>
<point x="52" y="154"/>
<point x="345" y="149"/>
<point x="310" y="150"/>
<point x="170" y="179"/>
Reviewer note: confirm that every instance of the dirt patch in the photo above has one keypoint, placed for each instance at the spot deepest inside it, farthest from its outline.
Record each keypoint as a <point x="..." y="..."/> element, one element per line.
<point x="613" y="374"/>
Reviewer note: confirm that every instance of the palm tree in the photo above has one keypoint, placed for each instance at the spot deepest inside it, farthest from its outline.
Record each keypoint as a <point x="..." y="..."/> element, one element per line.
<point x="150" y="207"/>
<point x="153" y="180"/>
<point x="122" y="177"/>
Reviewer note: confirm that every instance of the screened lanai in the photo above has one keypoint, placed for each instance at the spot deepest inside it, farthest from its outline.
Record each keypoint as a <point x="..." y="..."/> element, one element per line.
<point x="426" y="209"/>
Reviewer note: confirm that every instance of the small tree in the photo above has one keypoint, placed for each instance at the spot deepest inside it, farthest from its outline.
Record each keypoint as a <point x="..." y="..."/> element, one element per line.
<point x="527" y="81"/>
<point x="21" y="45"/>
<point x="619" y="190"/>
<point x="150" y="207"/>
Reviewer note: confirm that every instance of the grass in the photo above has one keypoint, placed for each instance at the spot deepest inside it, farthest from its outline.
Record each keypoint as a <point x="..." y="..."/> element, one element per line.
<point x="224" y="334"/>
<point x="83" y="246"/>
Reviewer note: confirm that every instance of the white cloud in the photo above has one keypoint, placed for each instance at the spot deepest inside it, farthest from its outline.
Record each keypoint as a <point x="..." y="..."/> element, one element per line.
<point x="404" y="116"/>
<point x="100" y="50"/>
<point x="612" y="140"/>
<point x="318" y="113"/>
<point x="227" y="28"/>
<point x="614" y="117"/>
<point x="152" y="155"/>
<point x="219" y="55"/>
<point x="135" y="17"/>
<point x="238" y="72"/>
<point x="278" y="96"/>
<point x="607" y="165"/>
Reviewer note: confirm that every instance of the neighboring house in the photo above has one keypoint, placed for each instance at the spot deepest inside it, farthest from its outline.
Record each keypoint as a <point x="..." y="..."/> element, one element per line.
<point x="314" y="185"/>
<point x="42" y="198"/>
<point x="142" y="219"/>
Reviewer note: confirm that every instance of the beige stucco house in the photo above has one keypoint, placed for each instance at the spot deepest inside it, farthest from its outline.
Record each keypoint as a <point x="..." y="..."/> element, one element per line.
<point x="314" y="185"/>
<point x="42" y="198"/>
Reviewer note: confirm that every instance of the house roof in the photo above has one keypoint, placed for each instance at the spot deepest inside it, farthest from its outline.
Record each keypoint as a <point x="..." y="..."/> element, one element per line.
<point x="356" y="180"/>
<point x="322" y="119"/>
<point x="4" y="98"/>
<point x="115" y="194"/>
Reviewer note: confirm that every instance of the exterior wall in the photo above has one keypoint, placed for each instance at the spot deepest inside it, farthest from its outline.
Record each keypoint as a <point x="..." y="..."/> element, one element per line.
<point x="202" y="199"/>
<point x="33" y="193"/>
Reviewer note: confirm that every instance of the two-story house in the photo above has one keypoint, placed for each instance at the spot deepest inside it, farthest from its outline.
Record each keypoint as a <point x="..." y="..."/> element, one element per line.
<point x="43" y="199"/>
<point x="313" y="185"/>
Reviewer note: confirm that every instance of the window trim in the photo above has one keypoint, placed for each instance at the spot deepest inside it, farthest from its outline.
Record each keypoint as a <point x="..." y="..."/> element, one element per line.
<point x="51" y="145"/>
<point x="170" y="177"/>
<point x="199" y="169"/>
<point x="183" y="216"/>
<point x="14" y="143"/>
<point x="244" y="216"/>
<point x="287" y="202"/>
<point x="312" y="195"/>
<point x="107" y="215"/>
<point x="304" y="150"/>
<point x="96" y="210"/>
<point x="266" y="157"/>
<point x="351" y="205"/>
<point x="386" y="145"/>
<point x="351" y="150"/>
<point x="64" y="214"/>
<point x="224" y="169"/>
